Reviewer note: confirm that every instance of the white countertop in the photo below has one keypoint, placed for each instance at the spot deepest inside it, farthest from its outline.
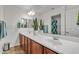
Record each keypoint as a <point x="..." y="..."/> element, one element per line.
<point x="60" y="46"/>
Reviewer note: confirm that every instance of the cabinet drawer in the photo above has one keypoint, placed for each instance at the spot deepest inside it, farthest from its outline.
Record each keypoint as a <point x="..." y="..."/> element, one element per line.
<point x="22" y="40"/>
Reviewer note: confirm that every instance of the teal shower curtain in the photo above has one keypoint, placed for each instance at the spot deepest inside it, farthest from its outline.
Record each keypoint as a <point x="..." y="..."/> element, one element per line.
<point x="54" y="25"/>
<point x="0" y="29"/>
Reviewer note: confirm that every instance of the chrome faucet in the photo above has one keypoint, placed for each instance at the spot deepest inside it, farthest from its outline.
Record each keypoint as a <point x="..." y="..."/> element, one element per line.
<point x="55" y="38"/>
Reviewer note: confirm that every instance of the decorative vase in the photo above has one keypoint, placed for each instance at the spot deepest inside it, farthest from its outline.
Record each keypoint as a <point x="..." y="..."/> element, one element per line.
<point x="78" y="19"/>
<point x="45" y="30"/>
<point x="77" y="23"/>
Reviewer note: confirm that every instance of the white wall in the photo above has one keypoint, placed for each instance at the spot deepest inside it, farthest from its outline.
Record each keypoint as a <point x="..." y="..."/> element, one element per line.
<point x="71" y="19"/>
<point x="12" y="14"/>
<point x="1" y="12"/>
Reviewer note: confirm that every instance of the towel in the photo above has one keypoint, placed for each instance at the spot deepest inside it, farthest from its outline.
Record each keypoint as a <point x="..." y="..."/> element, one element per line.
<point x="3" y="31"/>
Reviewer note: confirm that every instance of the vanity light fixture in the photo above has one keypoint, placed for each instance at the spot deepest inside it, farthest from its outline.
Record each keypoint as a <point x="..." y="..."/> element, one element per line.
<point x="21" y="20"/>
<point x="31" y="13"/>
<point x="52" y="8"/>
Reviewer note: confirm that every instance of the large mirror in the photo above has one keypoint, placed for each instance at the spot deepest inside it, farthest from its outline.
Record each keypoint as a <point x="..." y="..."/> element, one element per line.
<point x="63" y="20"/>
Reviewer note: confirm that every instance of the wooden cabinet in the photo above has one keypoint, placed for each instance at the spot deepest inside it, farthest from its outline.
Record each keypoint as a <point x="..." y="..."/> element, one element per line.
<point x="36" y="48"/>
<point x="48" y="51"/>
<point x="32" y="47"/>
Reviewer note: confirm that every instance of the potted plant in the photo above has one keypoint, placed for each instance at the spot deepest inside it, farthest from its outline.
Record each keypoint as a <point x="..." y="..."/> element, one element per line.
<point x="35" y="25"/>
<point x="41" y="25"/>
<point x="78" y="19"/>
<point x="18" y="25"/>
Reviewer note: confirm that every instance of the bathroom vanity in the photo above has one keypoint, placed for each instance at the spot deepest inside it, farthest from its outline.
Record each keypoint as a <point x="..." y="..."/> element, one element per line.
<point x="32" y="47"/>
<point x="47" y="43"/>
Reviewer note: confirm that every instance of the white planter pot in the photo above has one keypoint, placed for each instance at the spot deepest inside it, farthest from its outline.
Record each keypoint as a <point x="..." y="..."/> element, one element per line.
<point x="41" y="31"/>
<point x="35" y="32"/>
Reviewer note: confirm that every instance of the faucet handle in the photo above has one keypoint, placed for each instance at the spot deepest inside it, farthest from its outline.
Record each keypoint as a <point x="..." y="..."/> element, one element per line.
<point x="55" y="38"/>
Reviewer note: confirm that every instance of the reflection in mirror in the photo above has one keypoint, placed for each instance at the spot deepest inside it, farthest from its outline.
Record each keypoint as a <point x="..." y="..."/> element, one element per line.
<point x="56" y="24"/>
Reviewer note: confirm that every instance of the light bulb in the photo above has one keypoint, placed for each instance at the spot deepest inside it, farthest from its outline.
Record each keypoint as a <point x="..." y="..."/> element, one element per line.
<point x="31" y="13"/>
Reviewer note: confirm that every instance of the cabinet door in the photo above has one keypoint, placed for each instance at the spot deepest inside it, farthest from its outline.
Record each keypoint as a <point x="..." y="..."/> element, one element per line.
<point x="26" y="44"/>
<point x="48" y="51"/>
<point x="36" y="48"/>
<point x="29" y="46"/>
<point x="21" y="41"/>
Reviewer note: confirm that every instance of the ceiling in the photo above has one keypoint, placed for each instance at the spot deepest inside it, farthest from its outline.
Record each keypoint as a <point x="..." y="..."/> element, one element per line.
<point x="39" y="9"/>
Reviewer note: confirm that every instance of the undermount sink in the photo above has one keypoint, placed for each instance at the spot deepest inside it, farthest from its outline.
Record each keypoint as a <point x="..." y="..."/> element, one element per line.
<point x="44" y="37"/>
<point x="52" y="40"/>
<point x="55" y="42"/>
